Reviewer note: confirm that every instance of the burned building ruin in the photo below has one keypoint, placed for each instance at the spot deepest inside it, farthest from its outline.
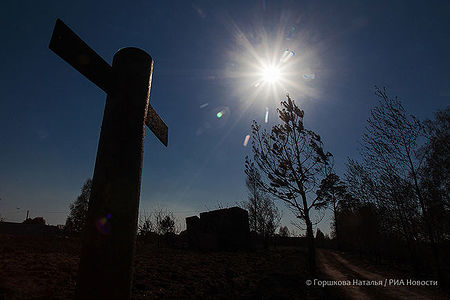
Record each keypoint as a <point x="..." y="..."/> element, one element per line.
<point x="223" y="229"/>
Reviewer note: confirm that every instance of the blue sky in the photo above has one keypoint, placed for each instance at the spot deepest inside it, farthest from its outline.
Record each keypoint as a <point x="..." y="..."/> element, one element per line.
<point x="205" y="60"/>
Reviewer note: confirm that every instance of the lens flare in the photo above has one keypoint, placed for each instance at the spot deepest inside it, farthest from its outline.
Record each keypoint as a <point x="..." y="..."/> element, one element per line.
<point x="247" y="138"/>
<point x="103" y="224"/>
<point x="309" y="76"/>
<point x="222" y="116"/>
<point x="266" y="115"/>
<point x="287" y="54"/>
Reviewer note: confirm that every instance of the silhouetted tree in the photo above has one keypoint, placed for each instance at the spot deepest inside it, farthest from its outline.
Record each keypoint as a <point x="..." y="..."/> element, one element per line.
<point x="1" y="218"/>
<point x="389" y="196"/>
<point x="292" y="159"/>
<point x="253" y="183"/>
<point x="164" y="222"/>
<point x="167" y="225"/>
<point x="284" y="231"/>
<point x="359" y="182"/>
<point x="435" y="173"/>
<point x="391" y="147"/>
<point x="435" y="182"/>
<point x="358" y="225"/>
<point x="78" y="210"/>
<point x="385" y="197"/>
<point x="264" y="216"/>
<point x="319" y="235"/>
<point x="391" y="150"/>
<point x="37" y="221"/>
<point x="146" y="226"/>
<point x="331" y="191"/>
<point x="160" y="222"/>
<point x="402" y="185"/>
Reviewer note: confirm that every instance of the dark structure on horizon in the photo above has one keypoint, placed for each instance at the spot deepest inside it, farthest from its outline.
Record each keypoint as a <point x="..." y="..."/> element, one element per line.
<point x="40" y="230"/>
<point x="222" y="229"/>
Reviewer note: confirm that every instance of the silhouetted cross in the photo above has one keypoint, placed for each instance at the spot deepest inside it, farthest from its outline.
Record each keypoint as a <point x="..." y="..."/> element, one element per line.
<point x="108" y="242"/>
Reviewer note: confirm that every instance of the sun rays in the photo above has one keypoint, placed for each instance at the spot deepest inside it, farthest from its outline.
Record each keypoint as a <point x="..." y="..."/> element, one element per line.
<point x="268" y="65"/>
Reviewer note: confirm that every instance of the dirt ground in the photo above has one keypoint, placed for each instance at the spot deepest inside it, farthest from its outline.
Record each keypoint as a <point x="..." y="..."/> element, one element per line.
<point x="36" y="268"/>
<point x="334" y="266"/>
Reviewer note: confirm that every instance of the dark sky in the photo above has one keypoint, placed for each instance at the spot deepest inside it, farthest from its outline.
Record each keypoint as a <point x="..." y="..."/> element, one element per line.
<point x="208" y="56"/>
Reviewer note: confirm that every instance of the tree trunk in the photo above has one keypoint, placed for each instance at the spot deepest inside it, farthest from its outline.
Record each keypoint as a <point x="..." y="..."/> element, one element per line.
<point x="309" y="236"/>
<point x="311" y="248"/>
<point x="336" y="225"/>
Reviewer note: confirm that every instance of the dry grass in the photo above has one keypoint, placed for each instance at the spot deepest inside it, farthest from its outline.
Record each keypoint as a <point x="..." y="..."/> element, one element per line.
<point x="37" y="268"/>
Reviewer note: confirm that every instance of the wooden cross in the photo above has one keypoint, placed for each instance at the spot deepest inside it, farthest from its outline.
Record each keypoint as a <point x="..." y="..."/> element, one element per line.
<point x="108" y="243"/>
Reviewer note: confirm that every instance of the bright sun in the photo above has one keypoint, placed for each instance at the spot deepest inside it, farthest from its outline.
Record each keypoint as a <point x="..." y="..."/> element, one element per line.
<point x="271" y="74"/>
<point x="266" y="67"/>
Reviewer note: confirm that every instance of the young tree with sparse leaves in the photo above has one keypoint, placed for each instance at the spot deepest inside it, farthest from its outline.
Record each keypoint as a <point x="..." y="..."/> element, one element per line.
<point x="292" y="160"/>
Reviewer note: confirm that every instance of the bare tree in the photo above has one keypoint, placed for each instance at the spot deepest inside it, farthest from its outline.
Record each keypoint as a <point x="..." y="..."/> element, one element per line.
<point x="253" y="183"/>
<point x="292" y="160"/>
<point x="165" y="222"/>
<point x="391" y="149"/>
<point x="284" y="231"/>
<point x="359" y="182"/>
<point x="396" y="162"/>
<point x="160" y="221"/>
<point x="146" y="225"/>
<point x="264" y="216"/>
<point x="435" y="173"/>
<point x="332" y="191"/>
<point x="319" y="235"/>
<point x="389" y="194"/>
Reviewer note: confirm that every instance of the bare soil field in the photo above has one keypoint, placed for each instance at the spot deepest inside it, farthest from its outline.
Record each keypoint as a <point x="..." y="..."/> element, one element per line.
<point x="46" y="268"/>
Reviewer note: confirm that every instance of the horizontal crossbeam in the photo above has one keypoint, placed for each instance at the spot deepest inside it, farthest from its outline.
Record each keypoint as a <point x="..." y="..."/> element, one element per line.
<point x="71" y="48"/>
<point x="156" y="125"/>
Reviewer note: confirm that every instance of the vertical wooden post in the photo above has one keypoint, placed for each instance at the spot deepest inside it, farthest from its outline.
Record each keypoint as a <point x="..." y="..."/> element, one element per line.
<point x="108" y="243"/>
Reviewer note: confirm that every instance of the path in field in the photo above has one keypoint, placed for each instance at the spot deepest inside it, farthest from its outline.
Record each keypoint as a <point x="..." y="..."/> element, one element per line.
<point x="336" y="267"/>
